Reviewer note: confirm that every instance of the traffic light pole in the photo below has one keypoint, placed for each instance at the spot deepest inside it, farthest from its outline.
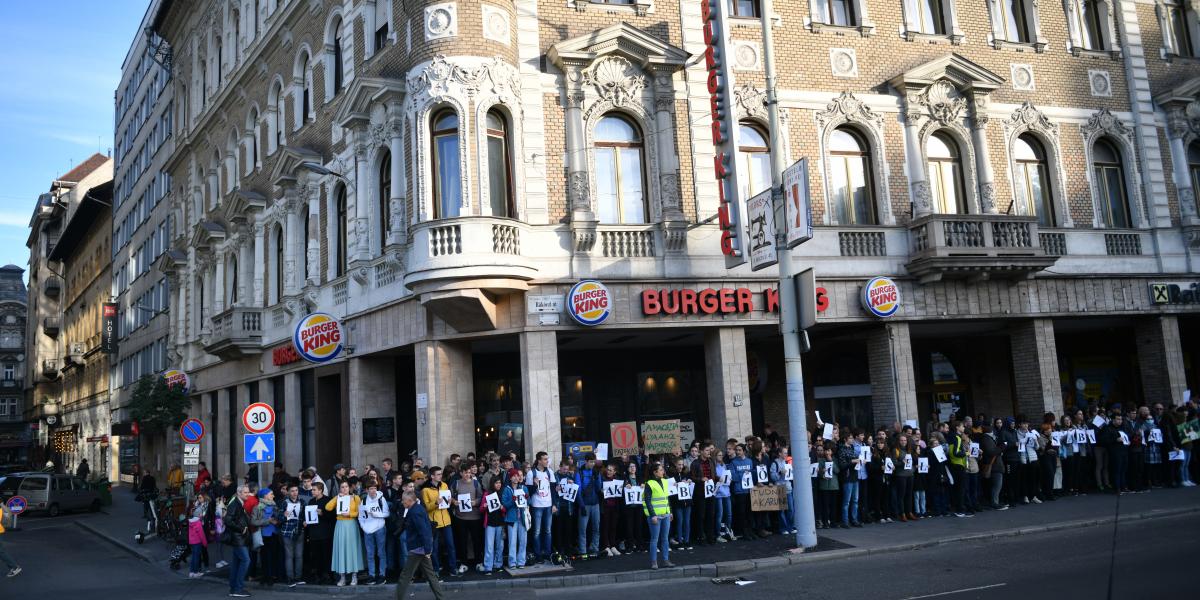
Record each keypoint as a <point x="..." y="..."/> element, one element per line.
<point x="802" y="496"/>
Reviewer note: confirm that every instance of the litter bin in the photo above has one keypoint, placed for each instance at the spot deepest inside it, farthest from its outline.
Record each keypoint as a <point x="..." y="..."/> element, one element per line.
<point x="103" y="489"/>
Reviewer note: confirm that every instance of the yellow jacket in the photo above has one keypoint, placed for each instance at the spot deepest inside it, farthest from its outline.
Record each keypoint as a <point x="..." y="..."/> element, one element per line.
<point x="331" y="506"/>
<point x="175" y="478"/>
<point x="439" y="516"/>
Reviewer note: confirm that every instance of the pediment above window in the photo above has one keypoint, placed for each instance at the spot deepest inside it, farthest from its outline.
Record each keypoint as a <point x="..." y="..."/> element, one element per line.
<point x="207" y="234"/>
<point x="287" y="168"/>
<point x="622" y="39"/>
<point x="363" y="94"/>
<point x="964" y="75"/>
<point x="242" y="204"/>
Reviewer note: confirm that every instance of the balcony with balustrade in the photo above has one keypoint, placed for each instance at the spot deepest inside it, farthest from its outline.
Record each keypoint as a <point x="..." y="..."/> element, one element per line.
<point x="976" y="247"/>
<point x="236" y="332"/>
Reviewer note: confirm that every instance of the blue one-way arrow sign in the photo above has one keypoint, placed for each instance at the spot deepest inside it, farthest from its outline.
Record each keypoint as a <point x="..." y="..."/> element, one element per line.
<point x="258" y="448"/>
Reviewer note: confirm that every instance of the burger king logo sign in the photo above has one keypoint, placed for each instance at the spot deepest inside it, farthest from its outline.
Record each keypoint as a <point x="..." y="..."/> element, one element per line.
<point x="589" y="303"/>
<point x="318" y="338"/>
<point x="177" y="378"/>
<point x="881" y="297"/>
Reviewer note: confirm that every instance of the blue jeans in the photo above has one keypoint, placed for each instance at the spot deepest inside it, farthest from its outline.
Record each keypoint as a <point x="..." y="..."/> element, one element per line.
<point x="849" y="497"/>
<point x="194" y="561"/>
<point x="660" y="534"/>
<point x="724" y="512"/>
<point x="785" y="516"/>
<point x="589" y="528"/>
<point x="543" y="519"/>
<point x="971" y="482"/>
<point x="517" y="536"/>
<point x="493" y="548"/>
<point x="239" y="562"/>
<point x="919" y="500"/>
<point x="376" y="545"/>
<point x="683" y="524"/>
<point x="443" y="539"/>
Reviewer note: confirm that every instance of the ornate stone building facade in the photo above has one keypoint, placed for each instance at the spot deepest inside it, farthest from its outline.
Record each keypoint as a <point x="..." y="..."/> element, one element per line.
<point x="434" y="173"/>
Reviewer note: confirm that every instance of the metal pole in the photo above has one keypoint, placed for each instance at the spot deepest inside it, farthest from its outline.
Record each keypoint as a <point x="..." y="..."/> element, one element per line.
<point x="802" y="498"/>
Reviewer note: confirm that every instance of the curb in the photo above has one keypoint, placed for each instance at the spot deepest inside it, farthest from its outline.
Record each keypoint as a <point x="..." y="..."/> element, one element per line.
<point x="113" y="540"/>
<point x="721" y="569"/>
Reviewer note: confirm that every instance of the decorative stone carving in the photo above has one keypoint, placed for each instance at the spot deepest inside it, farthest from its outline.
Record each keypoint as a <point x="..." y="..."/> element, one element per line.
<point x="380" y="134"/>
<point x="361" y="274"/>
<point x="443" y="78"/>
<point x="496" y="25"/>
<point x="585" y="238"/>
<point x="1105" y="122"/>
<point x="577" y="191"/>
<point x="979" y="111"/>
<point x="746" y="56"/>
<point x="615" y="79"/>
<point x="1029" y="117"/>
<point x="749" y="101"/>
<point x="846" y="108"/>
<point x="987" y="197"/>
<point x="669" y="186"/>
<point x="441" y="21"/>
<point x="1022" y="77"/>
<point x="922" y="203"/>
<point x="843" y="62"/>
<point x="943" y="101"/>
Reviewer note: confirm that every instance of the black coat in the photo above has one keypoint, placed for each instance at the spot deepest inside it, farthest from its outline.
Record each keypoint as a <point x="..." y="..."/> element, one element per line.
<point x="323" y="530"/>
<point x="237" y="523"/>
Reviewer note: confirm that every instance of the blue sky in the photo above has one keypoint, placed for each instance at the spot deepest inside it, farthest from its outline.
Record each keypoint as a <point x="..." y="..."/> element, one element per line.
<point x="62" y="63"/>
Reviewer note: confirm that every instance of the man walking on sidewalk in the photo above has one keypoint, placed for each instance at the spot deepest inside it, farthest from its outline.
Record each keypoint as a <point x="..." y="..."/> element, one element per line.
<point x="13" y="568"/>
<point x="418" y="532"/>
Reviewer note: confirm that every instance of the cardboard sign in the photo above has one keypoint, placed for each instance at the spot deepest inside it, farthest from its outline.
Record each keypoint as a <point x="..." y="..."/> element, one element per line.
<point x="519" y="498"/>
<point x="464" y="503"/>
<point x="771" y="498"/>
<point x="624" y="438"/>
<point x="569" y="491"/>
<point x="710" y="488"/>
<point x="686" y="489"/>
<point x="760" y="472"/>
<point x="612" y="489"/>
<point x="311" y="514"/>
<point x="493" y="501"/>
<point x="661" y="437"/>
<point x="633" y="494"/>
<point x="923" y="465"/>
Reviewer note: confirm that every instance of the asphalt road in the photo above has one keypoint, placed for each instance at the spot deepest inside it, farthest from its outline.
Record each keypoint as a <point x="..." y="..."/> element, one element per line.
<point x="61" y="558"/>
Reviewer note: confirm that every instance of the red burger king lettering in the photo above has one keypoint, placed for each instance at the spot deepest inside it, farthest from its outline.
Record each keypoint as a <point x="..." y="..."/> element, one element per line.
<point x="711" y="301"/>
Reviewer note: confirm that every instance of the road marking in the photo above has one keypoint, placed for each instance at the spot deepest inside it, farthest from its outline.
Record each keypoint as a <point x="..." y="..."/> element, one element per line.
<point x="974" y="589"/>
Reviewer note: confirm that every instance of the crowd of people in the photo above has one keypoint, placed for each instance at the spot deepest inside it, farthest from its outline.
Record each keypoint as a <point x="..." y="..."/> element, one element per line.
<point x="495" y="512"/>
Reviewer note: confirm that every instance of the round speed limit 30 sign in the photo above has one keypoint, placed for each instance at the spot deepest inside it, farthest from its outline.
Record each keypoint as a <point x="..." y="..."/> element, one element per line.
<point x="258" y="418"/>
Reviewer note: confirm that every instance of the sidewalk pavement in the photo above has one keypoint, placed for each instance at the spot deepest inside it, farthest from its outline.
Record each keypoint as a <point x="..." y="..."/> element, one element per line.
<point x="119" y="524"/>
<point x="720" y="560"/>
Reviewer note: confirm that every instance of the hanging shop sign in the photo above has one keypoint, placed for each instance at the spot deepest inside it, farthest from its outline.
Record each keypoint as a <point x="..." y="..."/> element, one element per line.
<point x="798" y="209"/>
<point x="284" y="355"/>
<point x="589" y="302"/>
<point x="108" y="328"/>
<point x="762" y="231"/>
<point x="176" y="378"/>
<point x="881" y="297"/>
<point x="720" y="86"/>
<point x="318" y="338"/>
<point x="710" y="301"/>
<point x="1175" y="292"/>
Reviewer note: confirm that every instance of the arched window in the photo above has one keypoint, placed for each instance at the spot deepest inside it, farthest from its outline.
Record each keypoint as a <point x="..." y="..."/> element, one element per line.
<point x="305" y="107"/>
<point x="337" y="57"/>
<point x="385" y="197"/>
<point x="1193" y="158"/>
<point x="1033" y="178"/>
<point x="499" y="166"/>
<point x="1110" y="183"/>
<point x="756" y="156"/>
<point x="620" y="189"/>
<point x="278" y="291"/>
<point x="850" y="178"/>
<point x="231" y="279"/>
<point x="276" y="121"/>
<point x="447" y="179"/>
<point x="252" y="148"/>
<point x="945" y="175"/>
<point x="340" y="230"/>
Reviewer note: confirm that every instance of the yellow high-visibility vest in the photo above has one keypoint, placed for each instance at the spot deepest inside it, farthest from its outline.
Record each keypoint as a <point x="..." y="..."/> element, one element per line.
<point x="656" y="503"/>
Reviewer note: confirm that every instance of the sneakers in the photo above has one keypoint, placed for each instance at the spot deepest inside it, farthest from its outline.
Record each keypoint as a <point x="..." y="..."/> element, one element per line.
<point x="221" y="564"/>
<point x="239" y="595"/>
<point x="615" y="552"/>
<point x="960" y="515"/>
<point x="654" y="566"/>
<point x="14" y="572"/>
<point x="354" y="579"/>
<point x="479" y="567"/>
<point x="1036" y="500"/>
<point x="668" y="564"/>
<point x="720" y="539"/>
<point x="462" y="569"/>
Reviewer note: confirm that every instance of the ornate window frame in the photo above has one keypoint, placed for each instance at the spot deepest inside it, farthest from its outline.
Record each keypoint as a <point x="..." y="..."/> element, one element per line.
<point x="911" y="25"/>
<point x="1105" y="124"/>
<point x="329" y="56"/>
<point x="865" y="26"/>
<point x="639" y="8"/>
<point x="1028" y="119"/>
<point x="302" y="76"/>
<point x="847" y="110"/>
<point x="1170" y="49"/>
<point x="998" y="37"/>
<point x="501" y="91"/>
<point x="1108" y="33"/>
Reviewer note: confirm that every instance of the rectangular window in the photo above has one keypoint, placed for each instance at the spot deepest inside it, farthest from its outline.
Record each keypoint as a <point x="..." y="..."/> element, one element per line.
<point x="1015" y="20"/>
<point x="10" y="371"/>
<point x="746" y="8"/>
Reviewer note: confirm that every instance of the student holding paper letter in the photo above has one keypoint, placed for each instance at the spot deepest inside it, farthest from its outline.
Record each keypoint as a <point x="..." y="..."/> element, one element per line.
<point x="849" y="464"/>
<point x="742" y="471"/>
<point x="292" y="535"/>
<point x="610" y="514"/>
<point x="1113" y="436"/>
<point x="633" y="514"/>
<point x="1028" y="444"/>
<point x="827" y="476"/>
<point x="516" y="516"/>
<point x="702" y="470"/>
<point x="958" y="445"/>
<point x="588" y="479"/>
<point x="564" y="515"/>
<point x="901" y="483"/>
<point x="372" y="518"/>
<point x="347" y="545"/>
<point x="493" y="537"/>
<point x="722" y="501"/>
<point x="468" y="524"/>
<point x="938" y="480"/>
<point x="435" y="496"/>
<point x="780" y="468"/>
<point x="681" y="507"/>
<point x="318" y="543"/>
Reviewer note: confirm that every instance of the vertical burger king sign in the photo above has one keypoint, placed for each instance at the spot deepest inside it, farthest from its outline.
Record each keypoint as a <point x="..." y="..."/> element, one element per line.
<point x="318" y="338"/>
<point x="589" y="302"/>
<point x="881" y="297"/>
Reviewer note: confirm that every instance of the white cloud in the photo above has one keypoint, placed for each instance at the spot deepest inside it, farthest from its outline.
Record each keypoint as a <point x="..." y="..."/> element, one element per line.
<point x="14" y="219"/>
<point x="74" y="138"/>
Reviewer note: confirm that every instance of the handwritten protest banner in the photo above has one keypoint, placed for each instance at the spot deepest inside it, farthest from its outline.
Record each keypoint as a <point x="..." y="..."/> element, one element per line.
<point x="661" y="437"/>
<point x="624" y="438"/>
<point x="768" y="498"/>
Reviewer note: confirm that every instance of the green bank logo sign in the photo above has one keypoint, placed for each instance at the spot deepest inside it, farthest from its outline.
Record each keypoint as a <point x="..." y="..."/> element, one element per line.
<point x="1175" y="292"/>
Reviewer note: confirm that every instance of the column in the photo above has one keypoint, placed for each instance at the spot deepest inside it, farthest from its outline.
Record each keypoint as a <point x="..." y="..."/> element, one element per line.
<point x="291" y="430"/>
<point x="1177" y="127"/>
<point x="444" y="378"/>
<point x="218" y="297"/>
<point x="1160" y="359"/>
<point x="983" y="163"/>
<point x="331" y="241"/>
<point x="205" y="313"/>
<point x="399" y="226"/>
<point x="312" y="236"/>
<point x="372" y="395"/>
<point x="893" y="382"/>
<point x="357" y="235"/>
<point x="578" y="193"/>
<point x="246" y="271"/>
<point x="728" y="383"/>
<point x="258" y="264"/>
<point x="668" y="158"/>
<point x="223" y="436"/>
<point x="539" y="394"/>
<point x="292" y="247"/>
<point x="1035" y="368"/>
<point x="919" y="184"/>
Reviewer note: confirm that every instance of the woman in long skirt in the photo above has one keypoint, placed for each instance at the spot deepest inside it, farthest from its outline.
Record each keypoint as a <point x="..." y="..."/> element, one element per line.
<point x="347" y="542"/>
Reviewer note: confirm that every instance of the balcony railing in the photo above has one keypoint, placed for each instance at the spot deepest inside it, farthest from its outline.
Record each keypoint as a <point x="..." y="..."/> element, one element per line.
<point x="627" y="242"/>
<point x="468" y="247"/>
<point x="976" y="246"/>
<point x="52" y="286"/>
<point x="236" y="332"/>
<point x="50" y="368"/>
<point x="50" y="326"/>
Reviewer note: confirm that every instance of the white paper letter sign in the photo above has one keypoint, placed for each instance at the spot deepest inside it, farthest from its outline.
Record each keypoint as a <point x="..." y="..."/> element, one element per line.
<point x="888" y="466"/>
<point x="828" y="470"/>
<point x="1124" y="437"/>
<point x="923" y="465"/>
<point x="975" y="450"/>
<point x="726" y="478"/>
<point x="1156" y="435"/>
<point x="493" y="501"/>
<point x="761" y="473"/>
<point x="672" y="487"/>
<point x="464" y="503"/>
<point x="444" y="499"/>
<point x="939" y="452"/>
<point x="710" y="488"/>
<point x="311" y="515"/>
<point x="569" y="491"/>
<point x="864" y="455"/>
<point x="747" y="480"/>
<point x="907" y="462"/>
<point x="813" y="470"/>
<point x="827" y="431"/>
<point x="685" y="490"/>
<point x="633" y="494"/>
<point x="1091" y="436"/>
<point x="343" y="505"/>
<point x="519" y="498"/>
<point x="612" y="489"/>
<point x="787" y="472"/>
